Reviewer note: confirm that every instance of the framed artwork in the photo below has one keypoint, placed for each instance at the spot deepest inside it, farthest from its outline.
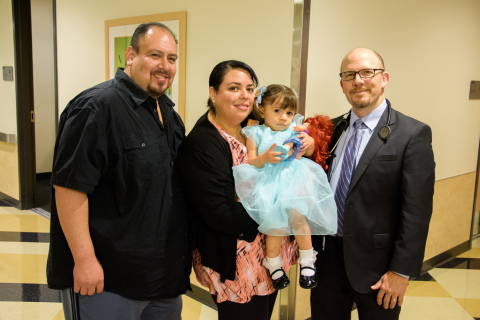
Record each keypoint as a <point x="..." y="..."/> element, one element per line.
<point x="118" y="34"/>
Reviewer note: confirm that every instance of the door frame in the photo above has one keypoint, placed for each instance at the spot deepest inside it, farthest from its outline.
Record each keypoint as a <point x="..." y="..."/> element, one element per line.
<point x="22" y="33"/>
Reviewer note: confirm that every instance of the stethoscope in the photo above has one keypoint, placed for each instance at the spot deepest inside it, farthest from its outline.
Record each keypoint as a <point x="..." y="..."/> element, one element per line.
<point x="384" y="132"/>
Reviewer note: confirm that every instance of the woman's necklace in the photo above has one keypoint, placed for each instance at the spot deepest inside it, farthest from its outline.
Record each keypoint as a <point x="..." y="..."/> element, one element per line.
<point x="235" y="131"/>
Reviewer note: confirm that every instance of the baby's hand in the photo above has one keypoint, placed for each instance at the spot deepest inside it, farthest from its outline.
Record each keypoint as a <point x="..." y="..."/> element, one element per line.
<point x="285" y="149"/>
<point x="272" y="156"/>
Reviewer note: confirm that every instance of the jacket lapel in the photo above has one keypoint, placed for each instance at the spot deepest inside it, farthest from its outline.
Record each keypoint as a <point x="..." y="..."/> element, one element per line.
<point x="372" y="147"/>
<point x="339" y="128"/>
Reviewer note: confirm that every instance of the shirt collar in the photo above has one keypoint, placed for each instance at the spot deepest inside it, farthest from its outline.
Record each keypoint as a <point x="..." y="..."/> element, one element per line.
<point x="138" y="95"/>
<point x="371" y="119"/>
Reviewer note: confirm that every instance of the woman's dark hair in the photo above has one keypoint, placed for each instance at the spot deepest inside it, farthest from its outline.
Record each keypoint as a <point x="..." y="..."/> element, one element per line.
<point x="220" y="70"/>
<point x="142" y="29"/>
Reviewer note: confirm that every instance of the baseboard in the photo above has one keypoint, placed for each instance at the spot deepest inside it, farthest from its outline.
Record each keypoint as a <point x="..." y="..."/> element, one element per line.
<point x="445" y="256"/>
<point x="44" y="175"/>
<point x="202" y="295"/>
<point x="9" y="201"/>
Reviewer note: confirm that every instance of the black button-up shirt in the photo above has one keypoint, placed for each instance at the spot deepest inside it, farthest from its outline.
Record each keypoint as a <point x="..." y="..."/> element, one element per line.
<point x="112" y="146"/>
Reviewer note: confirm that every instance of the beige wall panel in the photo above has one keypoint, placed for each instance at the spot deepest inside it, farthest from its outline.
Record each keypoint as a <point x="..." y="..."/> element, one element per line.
<point x="477" y="208"/>
<point x="452" y="214"/>
<point x="43" y="83"/>
<point x="9" y="170"/>
<point x="8" y="119"/>
<point x="431" y="50"/>
<point x="8" y="111"/>
<point x="256" y="32"/>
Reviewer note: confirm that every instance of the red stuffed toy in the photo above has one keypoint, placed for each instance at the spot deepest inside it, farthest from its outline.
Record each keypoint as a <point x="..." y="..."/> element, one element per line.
<point x="320" y="128"/>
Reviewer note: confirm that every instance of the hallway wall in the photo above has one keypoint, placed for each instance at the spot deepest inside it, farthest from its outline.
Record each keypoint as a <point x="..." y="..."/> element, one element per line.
<point x="431" y="51"/>
<point x="221" y="30"/>
<point x="9" y="181"/>
<point x="43" y="83"/>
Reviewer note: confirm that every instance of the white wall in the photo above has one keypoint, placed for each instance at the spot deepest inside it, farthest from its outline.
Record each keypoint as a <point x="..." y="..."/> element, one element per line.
<point x="256" y="32"/>
<point x="43" y="83"/>
<point x="431" y="49"/>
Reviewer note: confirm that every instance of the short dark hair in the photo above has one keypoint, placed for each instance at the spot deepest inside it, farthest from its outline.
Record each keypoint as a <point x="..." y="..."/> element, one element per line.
<point x="143" y="29"/>
<point x="220" y="70"/>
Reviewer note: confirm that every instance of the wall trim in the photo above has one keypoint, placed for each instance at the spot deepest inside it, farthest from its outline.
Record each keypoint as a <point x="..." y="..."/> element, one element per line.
<point x="445" y="256"/>
<point x="44" y="175"/>
<point x="8" y="137"/>
<point x="22" y="27"/>
<point x="203" y="296"/>
<point x="4" y="198"/>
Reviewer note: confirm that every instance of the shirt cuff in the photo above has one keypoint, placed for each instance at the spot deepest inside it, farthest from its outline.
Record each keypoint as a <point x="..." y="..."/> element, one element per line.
<point x="402" y="275"/>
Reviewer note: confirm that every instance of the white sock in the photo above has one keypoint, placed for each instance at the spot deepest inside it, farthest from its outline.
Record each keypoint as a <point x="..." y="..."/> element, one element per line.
<point x="307" y="258"/>
<point x="273" y="264"/>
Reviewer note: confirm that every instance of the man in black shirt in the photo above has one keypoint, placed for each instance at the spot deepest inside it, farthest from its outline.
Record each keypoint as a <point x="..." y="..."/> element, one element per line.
<point x="118" y="244"/>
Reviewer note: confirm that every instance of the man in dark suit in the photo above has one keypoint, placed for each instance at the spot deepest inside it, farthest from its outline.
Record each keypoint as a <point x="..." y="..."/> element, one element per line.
<point x="383" y="181"/>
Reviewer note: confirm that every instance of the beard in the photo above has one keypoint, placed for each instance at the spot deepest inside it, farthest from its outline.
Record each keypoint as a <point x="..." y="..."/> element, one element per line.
<point x="156" y="91"/>
<point x="361" y="103"/>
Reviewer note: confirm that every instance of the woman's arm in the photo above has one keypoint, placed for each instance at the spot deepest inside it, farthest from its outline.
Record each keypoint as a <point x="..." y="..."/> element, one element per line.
<point x="260" y="160"/>
<point x="205" y="164"/>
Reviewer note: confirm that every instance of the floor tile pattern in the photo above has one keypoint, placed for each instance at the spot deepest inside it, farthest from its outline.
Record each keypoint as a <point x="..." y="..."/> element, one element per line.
<point x="450" y="291"/>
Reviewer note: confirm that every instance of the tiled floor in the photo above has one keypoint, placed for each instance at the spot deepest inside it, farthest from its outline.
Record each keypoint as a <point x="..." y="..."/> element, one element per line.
<point x="451" y="291"/>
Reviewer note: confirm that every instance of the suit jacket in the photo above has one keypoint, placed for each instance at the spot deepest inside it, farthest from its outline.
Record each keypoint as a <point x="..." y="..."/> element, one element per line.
<point x="389" y="202"/>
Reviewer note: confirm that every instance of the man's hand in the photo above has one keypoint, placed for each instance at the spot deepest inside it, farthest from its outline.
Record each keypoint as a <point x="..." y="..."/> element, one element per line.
<point x="72" y="207"/>
<point x="391" y="288"/>
<point x="88" y="277"/>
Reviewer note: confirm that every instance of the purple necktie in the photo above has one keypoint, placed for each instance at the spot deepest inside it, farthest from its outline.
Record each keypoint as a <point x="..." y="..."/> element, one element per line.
<point x="348" y="165"/>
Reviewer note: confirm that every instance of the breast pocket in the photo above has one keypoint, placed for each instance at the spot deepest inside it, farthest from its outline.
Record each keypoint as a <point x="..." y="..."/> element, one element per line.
<point x="142" y="154"/>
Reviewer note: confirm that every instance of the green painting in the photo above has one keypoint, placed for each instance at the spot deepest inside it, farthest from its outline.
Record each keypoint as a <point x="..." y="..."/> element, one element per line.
<point x="121" y="45"/>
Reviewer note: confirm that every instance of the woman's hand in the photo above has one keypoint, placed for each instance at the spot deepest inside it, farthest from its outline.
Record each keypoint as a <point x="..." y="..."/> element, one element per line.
<point x="290" y="152"/>
<point x="307" y="141"/>
<point x="302" y="127"/>
<point x="308" y="145"/>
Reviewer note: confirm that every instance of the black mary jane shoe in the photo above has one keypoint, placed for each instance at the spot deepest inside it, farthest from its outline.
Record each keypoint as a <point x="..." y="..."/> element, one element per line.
<point x="282" y="282"/>
<point x="308" y="282"/>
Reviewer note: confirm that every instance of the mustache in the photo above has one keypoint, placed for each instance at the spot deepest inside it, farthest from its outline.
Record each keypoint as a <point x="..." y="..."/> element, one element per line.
<point x="359" y="89"/>
<point x="162" y="72"/>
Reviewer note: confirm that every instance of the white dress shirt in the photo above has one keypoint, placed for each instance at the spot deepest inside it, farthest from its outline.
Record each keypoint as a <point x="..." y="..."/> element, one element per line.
<point x="370" y="121"/>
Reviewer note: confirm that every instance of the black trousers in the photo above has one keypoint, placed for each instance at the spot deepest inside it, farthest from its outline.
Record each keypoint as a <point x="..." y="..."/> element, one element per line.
<point x="333" y="298"/>
<point x="258" y="308"/>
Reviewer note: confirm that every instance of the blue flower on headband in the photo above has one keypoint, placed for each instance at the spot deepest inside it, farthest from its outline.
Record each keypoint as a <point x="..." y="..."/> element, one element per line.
<point x="259" y="94"/>
<point x="295" y="92"/>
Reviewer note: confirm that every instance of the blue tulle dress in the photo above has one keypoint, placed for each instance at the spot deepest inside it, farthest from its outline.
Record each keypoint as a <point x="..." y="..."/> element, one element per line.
<point x="288" y="198"/>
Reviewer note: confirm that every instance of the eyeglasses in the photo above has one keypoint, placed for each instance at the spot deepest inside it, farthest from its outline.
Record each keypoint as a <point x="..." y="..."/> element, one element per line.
<point x="364" y="74"/>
